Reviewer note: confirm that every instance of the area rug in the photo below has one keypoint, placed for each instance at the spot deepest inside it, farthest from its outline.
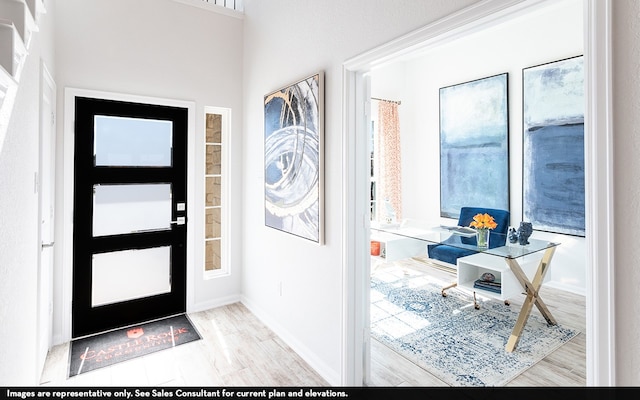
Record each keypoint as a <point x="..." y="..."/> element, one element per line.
<point x="101" y="350"/>
<point x="450" y="339"/>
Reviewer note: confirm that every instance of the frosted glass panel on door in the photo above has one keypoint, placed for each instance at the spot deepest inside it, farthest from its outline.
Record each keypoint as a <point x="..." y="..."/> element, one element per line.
<point x="132" y="142"/>
<point x="123" y="209"/>
<point x="130" y="274"/>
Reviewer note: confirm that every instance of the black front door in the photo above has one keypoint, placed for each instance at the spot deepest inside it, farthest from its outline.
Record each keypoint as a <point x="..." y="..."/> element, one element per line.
<point x="129" y="235"/>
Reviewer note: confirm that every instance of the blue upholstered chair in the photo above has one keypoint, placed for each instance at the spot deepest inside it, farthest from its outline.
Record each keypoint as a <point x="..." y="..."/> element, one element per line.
<point x="449" y="253"/>
<point x="497" y="237"/>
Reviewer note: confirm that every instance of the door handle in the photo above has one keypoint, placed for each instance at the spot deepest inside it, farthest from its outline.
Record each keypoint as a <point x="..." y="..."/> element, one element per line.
<point x="47" y="245"/>
<point x="179" y="221"/>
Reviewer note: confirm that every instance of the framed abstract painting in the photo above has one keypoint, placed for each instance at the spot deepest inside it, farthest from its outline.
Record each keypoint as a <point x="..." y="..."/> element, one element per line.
<point x="293" y="158"/>
<point x="553" y="146"/>
<point x="474" y="145"/>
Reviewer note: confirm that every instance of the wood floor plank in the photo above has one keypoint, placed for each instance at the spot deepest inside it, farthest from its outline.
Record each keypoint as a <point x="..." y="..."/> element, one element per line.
<point x="389" y="369"/>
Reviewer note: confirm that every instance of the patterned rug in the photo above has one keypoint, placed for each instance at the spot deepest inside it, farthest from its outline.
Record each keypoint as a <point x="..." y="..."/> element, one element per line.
<point x="447" y="337"/>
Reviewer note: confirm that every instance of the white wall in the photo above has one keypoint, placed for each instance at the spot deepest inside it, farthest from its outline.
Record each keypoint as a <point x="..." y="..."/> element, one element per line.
<point x="166" y="50"/>
<point x="19" y="247"/>
<point x="626" y="119"/>
<point x="286" y="40"/>
<point x="550" y="34"/>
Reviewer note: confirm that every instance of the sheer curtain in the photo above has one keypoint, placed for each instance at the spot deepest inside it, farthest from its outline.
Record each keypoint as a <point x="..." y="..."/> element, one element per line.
<point x="389" y="160"/>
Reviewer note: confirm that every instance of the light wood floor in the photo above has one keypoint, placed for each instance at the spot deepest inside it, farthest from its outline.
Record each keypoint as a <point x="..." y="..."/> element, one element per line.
<point x="564" y="367"/>
<point x="238" y="350"/>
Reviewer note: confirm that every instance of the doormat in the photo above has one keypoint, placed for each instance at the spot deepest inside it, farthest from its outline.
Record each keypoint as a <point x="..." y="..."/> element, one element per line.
<point x="104" y="349"/>
<point x="446" y="336"/>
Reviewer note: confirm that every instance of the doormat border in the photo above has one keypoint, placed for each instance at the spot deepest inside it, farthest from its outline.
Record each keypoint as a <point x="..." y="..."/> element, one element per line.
<point x="145" y="343"/>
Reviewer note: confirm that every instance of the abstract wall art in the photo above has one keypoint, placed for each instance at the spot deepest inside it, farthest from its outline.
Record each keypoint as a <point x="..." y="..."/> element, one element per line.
<point x="293" y="158"/>
<point x="474" y="145"/>
<point x="553" y="146"/>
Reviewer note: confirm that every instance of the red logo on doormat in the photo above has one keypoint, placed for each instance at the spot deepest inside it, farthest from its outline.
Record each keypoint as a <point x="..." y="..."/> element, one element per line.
<point x="135" y="333"/>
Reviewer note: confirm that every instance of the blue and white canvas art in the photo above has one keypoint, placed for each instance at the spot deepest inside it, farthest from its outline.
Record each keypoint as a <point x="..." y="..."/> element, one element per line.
<point x="553" y="147"/>
<point x="293" y="136"/>
<point x="474" y="145"/>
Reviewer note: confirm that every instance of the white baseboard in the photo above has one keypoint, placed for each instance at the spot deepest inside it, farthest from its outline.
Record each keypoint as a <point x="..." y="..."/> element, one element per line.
<point x="567" y="288"/>
<point x="330" y="375"/>
<point x="215" y="303"/>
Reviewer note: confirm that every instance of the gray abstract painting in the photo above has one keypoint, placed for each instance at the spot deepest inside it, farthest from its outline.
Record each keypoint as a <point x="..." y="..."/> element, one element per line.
<point x="553" y="147"/>
<point x="293" y="158"/>
<point x="474" y="148"/>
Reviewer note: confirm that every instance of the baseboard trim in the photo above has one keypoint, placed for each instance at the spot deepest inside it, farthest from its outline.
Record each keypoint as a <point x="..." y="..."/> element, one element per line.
<point x="330" y="375"/>
<point x="215" y="303"/>
<point x="564" y="287"/>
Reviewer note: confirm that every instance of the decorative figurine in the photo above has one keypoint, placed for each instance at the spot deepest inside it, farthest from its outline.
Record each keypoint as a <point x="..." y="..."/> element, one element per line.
<point x="524" y="231"/>
<point x="512" y="235"/>
<point x="488" y="277"/>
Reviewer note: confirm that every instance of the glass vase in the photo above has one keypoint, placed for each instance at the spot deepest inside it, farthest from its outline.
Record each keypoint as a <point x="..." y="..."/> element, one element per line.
<point x="482" y="238"/>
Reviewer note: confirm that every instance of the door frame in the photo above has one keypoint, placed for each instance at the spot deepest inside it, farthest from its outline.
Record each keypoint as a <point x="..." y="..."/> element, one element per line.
<point x="600" y="316"/>
<point x="46" y="162"/>
<point x="66" y="246"/>
<point x="90" y="178"/>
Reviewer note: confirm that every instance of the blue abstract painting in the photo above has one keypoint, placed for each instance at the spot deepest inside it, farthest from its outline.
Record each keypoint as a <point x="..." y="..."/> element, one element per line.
<point x="293" y="158"/>
<point x="474" y="145"/>
<point x="553" y="147"/>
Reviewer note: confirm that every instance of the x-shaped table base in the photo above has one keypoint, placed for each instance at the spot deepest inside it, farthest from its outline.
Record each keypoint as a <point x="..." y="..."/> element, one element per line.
<point x="533" y="297"/>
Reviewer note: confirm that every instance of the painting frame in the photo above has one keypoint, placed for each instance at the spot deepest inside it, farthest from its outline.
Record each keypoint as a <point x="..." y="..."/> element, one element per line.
<point x="474" y="145"/>
<point x="294" y="158"/>
<point x="553" y="157"/>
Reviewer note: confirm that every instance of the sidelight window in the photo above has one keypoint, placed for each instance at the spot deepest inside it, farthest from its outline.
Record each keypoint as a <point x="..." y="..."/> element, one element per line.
<point x="215" y="204"/>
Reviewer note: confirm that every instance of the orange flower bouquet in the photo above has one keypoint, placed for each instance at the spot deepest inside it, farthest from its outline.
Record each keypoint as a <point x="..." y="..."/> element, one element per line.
<point x="483" y="223"/>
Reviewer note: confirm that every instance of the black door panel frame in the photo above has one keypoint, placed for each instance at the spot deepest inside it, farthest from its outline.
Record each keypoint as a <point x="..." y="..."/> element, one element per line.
<point x="86" y="319"/>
